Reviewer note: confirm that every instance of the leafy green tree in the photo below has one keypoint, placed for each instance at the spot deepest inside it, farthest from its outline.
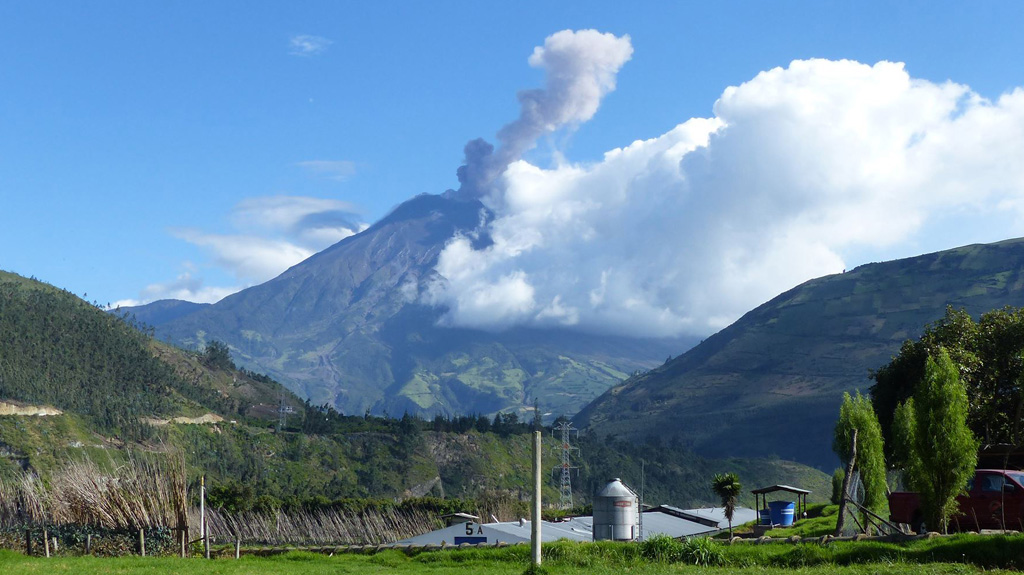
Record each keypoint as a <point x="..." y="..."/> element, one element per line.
<point x="989" y="355"/>
<point x="218" y="355"/>
<point x="727" y="487"/>
<point x="837" y="486"/>
<point x="856" y="413"/>
<point x="939" y="449"/>
<point x="232" y="496"/>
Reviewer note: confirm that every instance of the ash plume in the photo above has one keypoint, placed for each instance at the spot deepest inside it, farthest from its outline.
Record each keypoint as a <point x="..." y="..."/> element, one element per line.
<point x="580" y="70"/>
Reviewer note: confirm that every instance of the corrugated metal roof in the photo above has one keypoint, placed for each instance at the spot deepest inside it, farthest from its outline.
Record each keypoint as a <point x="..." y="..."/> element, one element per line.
<point x="573" y="529"/>
<point x="740" y="515"/>
<point x="665" y="524"/>
<point x="502" y="532"/>
<point x="773" y="488"/>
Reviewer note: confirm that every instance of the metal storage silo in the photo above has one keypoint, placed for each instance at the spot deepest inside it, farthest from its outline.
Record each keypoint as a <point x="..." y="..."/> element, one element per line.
<point x="615" y="513"/>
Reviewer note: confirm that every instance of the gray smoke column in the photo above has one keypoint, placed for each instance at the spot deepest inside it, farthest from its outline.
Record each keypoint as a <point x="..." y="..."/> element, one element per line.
<point x="580" y="69"/>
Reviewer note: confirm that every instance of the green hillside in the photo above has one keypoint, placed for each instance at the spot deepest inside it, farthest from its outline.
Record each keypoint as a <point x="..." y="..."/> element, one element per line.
<point x="116" y="388"/>
<point x="58" y="350"/>
<point x="387" y="461"/>
<point x="771" y="383"/>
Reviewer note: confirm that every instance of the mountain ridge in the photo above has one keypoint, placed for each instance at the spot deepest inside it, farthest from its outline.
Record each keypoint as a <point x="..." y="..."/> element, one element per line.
<point x="771" y="382"/>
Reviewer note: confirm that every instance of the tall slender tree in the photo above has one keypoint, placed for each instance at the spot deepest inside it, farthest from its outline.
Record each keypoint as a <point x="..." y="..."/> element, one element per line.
<point x="727" y="487"/>
<point x="940" y="452"/>
<point x="856" y="413"/>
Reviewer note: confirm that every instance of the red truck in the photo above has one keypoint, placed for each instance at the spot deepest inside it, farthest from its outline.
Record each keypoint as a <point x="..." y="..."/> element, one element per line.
<point x="994" y="500"/>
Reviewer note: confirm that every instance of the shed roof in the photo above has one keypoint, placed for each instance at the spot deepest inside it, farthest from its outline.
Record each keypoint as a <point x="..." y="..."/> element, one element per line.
<point x="711" y="516"/>
<point x="460" y="515"/>
<point x="788" y="488"/>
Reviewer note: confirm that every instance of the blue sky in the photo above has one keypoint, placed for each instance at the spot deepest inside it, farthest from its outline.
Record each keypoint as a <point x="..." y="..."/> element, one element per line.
<point x="135" y="135"/>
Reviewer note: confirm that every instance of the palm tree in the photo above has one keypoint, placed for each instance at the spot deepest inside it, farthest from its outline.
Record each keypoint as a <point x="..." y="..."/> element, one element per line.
<point x="727" y="486"/>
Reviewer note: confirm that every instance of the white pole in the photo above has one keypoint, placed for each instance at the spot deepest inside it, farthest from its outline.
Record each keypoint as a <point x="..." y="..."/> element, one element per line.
<point x="535" y="515"/>
<point x="202" y="507"/>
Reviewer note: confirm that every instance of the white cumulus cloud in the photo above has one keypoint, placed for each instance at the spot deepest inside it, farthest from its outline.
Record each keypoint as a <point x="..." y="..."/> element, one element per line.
<point x="799" y="168"/>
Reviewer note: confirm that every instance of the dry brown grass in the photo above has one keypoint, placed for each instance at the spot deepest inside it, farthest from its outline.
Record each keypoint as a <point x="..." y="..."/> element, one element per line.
<point x="322" y="526"/>
<point x="151" y="491"/>
<point x="140" y="494"/>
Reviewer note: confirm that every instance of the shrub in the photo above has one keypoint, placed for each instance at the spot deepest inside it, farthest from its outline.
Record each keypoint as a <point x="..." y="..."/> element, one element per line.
<point x="662" y="549"/>
<point x="702" y="551"/>
<point x="804" y="555"/>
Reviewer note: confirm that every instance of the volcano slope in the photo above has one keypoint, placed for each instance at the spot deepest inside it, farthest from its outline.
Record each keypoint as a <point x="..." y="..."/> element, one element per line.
<point x="344" y="327"/>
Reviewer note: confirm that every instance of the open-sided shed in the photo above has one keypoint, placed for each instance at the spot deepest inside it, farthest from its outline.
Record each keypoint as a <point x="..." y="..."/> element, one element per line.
<point x="761" y="497"/>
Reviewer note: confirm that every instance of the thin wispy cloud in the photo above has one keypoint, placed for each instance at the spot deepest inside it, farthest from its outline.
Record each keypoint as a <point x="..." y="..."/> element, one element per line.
<point x="269" y="235"/>
<point x="187" y="286"/>
<point x="247" y="257"/>
<point x="338" y="170"/>
<point x="308" y="45"/>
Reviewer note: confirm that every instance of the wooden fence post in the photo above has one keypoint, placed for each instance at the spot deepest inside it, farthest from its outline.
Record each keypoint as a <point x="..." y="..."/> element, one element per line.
<point x="88" y="544"/>
<point x="46" y="542"/>
<point x="142" y="542"/>
<point x="238" y="547"/>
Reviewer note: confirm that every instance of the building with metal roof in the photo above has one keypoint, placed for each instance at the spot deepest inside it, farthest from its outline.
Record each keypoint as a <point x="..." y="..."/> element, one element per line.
<point x="510" y="532"/>
<point x="661" y="520"/>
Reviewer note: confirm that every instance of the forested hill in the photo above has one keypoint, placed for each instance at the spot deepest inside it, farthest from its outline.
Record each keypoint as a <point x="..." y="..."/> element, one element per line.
<point x="112" y="381"/>
<point x="58" y="350"/>
<point x="772" y="382"/>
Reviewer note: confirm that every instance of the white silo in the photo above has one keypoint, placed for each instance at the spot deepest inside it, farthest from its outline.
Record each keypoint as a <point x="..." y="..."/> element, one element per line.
<point x="615" y="513"/>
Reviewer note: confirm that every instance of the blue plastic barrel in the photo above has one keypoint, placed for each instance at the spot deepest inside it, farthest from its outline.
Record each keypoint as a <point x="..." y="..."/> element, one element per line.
<point x="781" y="512"/>
<point x="764" y="517"/>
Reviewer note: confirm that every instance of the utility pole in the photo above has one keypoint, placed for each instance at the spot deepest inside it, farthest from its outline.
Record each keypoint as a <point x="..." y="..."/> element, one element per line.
<point x="640" y="507"/>
<point x="535" y="511"/>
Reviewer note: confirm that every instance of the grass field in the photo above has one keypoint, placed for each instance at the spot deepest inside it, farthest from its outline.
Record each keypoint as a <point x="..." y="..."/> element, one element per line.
<point x="398" y="564"/>
<point x="962" y="554"/>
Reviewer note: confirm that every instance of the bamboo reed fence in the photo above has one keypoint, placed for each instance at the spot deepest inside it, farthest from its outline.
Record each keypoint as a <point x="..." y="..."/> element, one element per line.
<point x="147" y="493"/>
<point x="140" y="494"/>
<point x="318" y="527"/>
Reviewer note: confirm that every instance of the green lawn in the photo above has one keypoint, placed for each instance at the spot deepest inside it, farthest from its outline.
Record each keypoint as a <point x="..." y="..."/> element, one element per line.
<point x="307" y="564"/>
<point x="962" y="554"/>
